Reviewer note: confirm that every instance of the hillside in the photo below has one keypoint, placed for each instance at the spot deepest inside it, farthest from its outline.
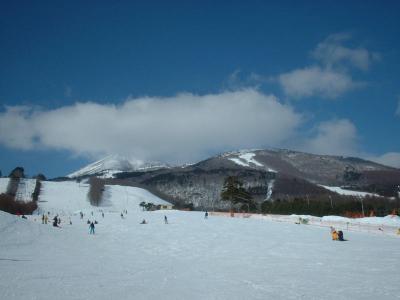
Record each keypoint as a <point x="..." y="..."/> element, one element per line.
<point x="268" y="175"/>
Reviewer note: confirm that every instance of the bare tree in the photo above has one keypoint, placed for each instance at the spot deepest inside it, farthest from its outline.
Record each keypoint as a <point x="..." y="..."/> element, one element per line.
<point x="96" y="190"/>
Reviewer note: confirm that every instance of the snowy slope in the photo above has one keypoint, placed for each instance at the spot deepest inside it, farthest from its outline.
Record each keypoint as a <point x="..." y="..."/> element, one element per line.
<point x="246" y="159"/>
<point x="25" y="188"/>
<point x="70" y="197"/>
<point x="191" y="258"/>
<point x="342" y="191"/>
<point x="3" y="185"/>
<point x="114" y="164"/>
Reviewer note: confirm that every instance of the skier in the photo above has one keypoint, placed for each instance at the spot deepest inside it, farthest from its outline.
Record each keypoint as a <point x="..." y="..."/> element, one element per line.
<point x="143" y="222"/>
<point x="81" y="213"/>
<point x="335" y="236"/>
<point x="59" y="220"/>
<point x="206" y="215"/>
<point x="165" y="220"/>
<point x="43" y="219"/>
<point x="91" y="228"/>
<point x="102" y="214"/>
<point x="122" y="215"/>
<point x="46" y="219"/>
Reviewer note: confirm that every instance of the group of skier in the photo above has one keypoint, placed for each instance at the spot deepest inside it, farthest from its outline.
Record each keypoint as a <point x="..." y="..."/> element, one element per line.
<point x="91" y="223"/>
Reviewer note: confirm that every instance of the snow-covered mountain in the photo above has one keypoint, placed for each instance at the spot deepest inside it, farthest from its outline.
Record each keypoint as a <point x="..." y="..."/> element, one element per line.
<point x="269" y="174"/>
<point x="113" y="164"/>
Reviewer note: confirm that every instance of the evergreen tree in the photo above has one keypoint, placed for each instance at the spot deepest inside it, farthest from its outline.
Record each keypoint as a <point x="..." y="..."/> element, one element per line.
<point x="234" y="192"/>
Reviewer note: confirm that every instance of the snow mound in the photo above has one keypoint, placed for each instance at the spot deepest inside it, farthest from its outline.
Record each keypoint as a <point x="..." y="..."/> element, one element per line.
<point x="390" y="220"/>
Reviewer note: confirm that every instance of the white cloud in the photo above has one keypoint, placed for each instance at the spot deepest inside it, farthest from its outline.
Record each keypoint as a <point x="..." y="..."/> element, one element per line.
<point x="389" y="159"/>
<point x="329" y="76"/>
<point x="336" y="137"/>
<point x="15" y="128"/>
<point x="331" y="53"/>
<point x="314" y="80"/>
<point x="176" y="129"/>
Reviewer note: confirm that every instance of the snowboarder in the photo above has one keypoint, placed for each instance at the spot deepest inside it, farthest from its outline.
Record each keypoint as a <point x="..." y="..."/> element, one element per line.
<point x="340" y="236"/>
<point x="91" y="228"/>
<point x="165" y="220"/>
<point x="206" y="215"/>
<point x="55" y="221"/>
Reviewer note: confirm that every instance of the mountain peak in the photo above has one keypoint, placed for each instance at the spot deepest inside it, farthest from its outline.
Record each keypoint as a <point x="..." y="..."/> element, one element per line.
<point x="116" y="163"/>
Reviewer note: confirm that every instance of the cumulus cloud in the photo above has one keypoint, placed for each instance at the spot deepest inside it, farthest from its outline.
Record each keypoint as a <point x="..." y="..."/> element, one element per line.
<point x="16" y="120"/>
<point x="335" y="137"/>
<point x="175" y="129"/>
<point x="315" y="81"/>
<point x="389" y="159"/>
<point x="331" y="53"/>
<point x="329" y="75"/>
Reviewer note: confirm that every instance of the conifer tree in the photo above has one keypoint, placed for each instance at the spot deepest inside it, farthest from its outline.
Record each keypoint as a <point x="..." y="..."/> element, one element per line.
<point x="234" y="192"/>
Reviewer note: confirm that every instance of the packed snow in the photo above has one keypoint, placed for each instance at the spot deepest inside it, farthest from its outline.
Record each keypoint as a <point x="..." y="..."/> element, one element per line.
<point x="342" y="191"/>
<point x="189" y="258"/>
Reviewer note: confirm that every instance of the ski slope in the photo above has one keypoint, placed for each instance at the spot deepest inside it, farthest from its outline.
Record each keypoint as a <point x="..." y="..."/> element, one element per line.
<point x="345" y="192"/>
<point x="3" y="185"/>
<point x="191" y="258"/>
<point x="70" y="197"/>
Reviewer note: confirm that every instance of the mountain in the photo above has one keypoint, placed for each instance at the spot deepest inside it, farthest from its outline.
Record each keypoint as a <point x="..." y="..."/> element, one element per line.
<point x="113" y="164"/>
<point x="267" y="174"/>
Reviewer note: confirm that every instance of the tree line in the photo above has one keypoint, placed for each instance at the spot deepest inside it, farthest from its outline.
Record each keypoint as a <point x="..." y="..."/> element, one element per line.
<point x="318" y="205"/>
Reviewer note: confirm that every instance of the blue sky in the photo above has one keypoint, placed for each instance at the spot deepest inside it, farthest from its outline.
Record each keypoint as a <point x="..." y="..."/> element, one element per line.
<point x="178" y="81"/>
